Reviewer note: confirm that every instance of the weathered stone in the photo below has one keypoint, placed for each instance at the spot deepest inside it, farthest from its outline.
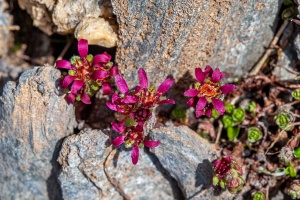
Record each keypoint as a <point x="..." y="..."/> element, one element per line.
<point x="289" y="58"/>
<point x="174" y="37"/>
<point x="91" y="169"/>
<point x="187" y="157"/>
<point x="34" y="118"/>
<point x="64" y="16"/>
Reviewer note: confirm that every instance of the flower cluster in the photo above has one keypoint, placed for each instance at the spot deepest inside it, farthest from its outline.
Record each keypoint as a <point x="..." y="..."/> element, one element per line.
<point x="208" y="92"/>
<point x="86" y="74"/>
<point x="228" y="174"/>
<point x="293" y="189"/>
<point x="134" y="108"/>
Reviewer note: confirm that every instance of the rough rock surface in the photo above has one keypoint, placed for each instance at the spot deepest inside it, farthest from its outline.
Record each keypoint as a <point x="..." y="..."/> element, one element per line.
<point x="289" y="58"/>
<point x="91" y="169"/>
<point x="192" y="156"/>
<point x="63" y="16"/>
<point x="174" y="37"/>
<point x="34" y="118"/>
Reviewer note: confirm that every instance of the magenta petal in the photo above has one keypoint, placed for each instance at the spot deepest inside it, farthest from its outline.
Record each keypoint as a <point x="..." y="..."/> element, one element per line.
<point x="121" y="83"/>
<point x="216" y="76"/>
<point x="63" y="64"/>
<point x="113" y="71"/>
<point x="219" y="106"/>
<point x="111" y="106"/>
<point x="83" y="48"/>
<point x="67" y="80"/>
<point x="199" y="113"/>
<point x="208" y="71"/>
<point x="101" y="74"/>
<point x="85" y="98"/>
<point x="135" y="154"/>
<point x="201" y="104"/>
<point x="165" y="86"/>
<point x="199" y="75"/>
<point x="226" y="89"/>
<point x="191" y="93"/>
<point x="119" y="127"/>
<point x="77" y="85"/>
<point x="118" y="140"/>
<point x="114" y="98"/>
<point x="102" y="58"/>
<point x="129" y="99"/>
<point x="208" y="112"/>
<point x="166" y="101"/>
<point x="143" y="78"/>
<point x="106" y="88"/>
<point x="151" y="144"/>
<point x="70" y="98"/>
<point x="190" y="102"/>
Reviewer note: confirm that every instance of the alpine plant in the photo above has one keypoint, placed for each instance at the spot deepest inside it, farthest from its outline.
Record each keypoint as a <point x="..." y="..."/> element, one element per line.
<point x="208" y="92"/>
<point x="86" y="74"/>
<point x="134" y="108"/>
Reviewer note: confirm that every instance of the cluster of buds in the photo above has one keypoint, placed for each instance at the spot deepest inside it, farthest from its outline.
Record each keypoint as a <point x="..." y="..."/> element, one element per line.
<point x="296" y="94"/>
<point x="86" y="74"/>
<point x="284" y="119"/>
<point x="134" y="108"/>
<point x="293" y="189"/>
<point x="254" y="134"/>
<point x="208" y="92"/>
<point x="228" y="174"/>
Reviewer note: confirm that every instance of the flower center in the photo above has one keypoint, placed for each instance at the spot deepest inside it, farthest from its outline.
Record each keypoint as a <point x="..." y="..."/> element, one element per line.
<point x="209" y="89"/>
<point x="134" y="138"/>
<point x="84" y="70"/>
<point x="148" y="97"/>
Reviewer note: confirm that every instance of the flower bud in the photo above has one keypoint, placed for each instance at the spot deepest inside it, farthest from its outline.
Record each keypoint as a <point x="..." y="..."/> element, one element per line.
<point x="227" y="121"/>
<point x="254" y="134"/>
<point x="293" y="189"/>
<point x="258" y="196"/>
<point x="251" y="106"/>
<point x="238" y="115"/>
<point x="283" y="120"/>
<point x="229" y="108"/>
<point x="296" y="94"/>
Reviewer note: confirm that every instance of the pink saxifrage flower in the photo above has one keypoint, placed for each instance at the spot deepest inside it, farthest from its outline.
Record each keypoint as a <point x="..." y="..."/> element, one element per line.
<point x="138" y="103"/>
<point x="133" y="137"/>
<point x="208" y="91"/>
<point x="134" y="108"/>
<point x="86" y="73"/>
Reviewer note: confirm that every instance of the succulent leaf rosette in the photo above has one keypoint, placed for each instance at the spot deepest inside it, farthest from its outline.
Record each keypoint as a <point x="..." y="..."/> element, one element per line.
<point x="208" y="92"/>
<point x="86" y="74"/>
<point x="134" y="108"/>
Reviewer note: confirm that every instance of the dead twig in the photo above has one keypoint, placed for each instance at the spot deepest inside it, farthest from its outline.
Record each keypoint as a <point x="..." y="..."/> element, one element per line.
<point x="10" y="28"/>
<point x="63" y="52"/>
<point x="269" y="51"/>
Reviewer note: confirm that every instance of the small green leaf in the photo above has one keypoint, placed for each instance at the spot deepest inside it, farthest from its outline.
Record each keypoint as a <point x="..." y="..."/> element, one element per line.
<point x="90" y="58"/>
<point x="290" y="170"/>
<point x="179" y="113"/>
<point x="215" y="180"/>
<point x="94" y="86"/>
<point x="233" y="132"/>
<point x="251" y="106"/>
<point x="109" y="64"/>
<point x="78" y="98"/>
<point x="214" y="113"/>
<point x="259" y="196"/>
<point x="130" y="122"/>
<point x="71" y="72"/>
<point x="296" y="94"/>
<point x="75" y="59"/>
<point x="297" y="152"/>
<point x="229" y="108"/>
<point x="254" y="134"/>
<point x="227" y="121"/>
<point x="238" y="115"/>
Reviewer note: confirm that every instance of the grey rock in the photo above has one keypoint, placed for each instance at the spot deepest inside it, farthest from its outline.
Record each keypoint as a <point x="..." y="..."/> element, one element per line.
<point x="288" y="59"/>
<point x="187" y="157"/>
<point x="91" y="169"/>
<point x="172" y="38"/>
<point x="34" y="118"/>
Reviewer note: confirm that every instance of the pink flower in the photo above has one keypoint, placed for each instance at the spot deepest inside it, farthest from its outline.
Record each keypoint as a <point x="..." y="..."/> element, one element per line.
<point x="86" y="74"/>
<point x="133" y="137"/>
<point x="138" y="103"/>
<point x="208" y="92"/>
